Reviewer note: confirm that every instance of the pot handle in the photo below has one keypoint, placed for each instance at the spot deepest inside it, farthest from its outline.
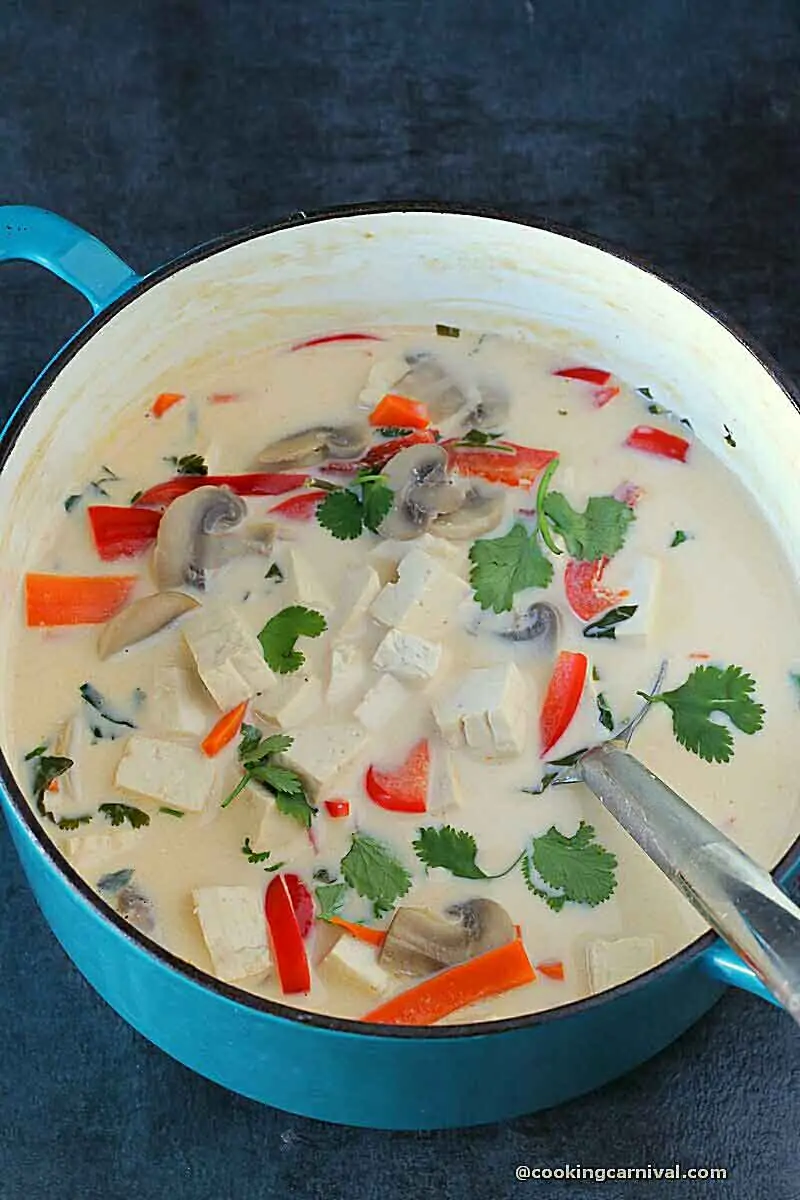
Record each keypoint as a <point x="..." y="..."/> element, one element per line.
<point x="36" y="235"/>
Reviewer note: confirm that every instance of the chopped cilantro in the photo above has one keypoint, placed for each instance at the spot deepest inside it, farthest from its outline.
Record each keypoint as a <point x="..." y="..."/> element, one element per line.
<point x="657" y="410"/>
<point x="275" y="573"/>
<point x="477" y="437"/>
<point x="599" y="532"/>
<point x="71" y="501"/>
<point x="188" y="464"/>
<point x="679" y="537"/>
<point x="394" y="431"/>
<point x="281" y="782"/>
<point x="729" y="438"/>
<point x="280" y="633"/>
<point x="330" y="898"/>
<point x="503" y="566"/>
<point x="451" y="331"/>
<point x="48" y="767"/>
<point x="373" y="871"/>
<point x="606" y="626"/>
<point x="708" y="690"/>
<point x="96" y="486"/>
<point x="577" y="869"/>
<point x="645" y="391"/>
<point x="37" y="752"/>
<point x="98" y="702"/>
<point x="604" y="713"/>
<point x="259" y="856"/>
<point x="118" y="814"/>
<point x="136" y="496"/>
<point x="453" y="849"/>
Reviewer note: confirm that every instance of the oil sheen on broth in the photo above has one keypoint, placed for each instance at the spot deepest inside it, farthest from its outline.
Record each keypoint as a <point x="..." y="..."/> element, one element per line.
<point x="440" y="649"/>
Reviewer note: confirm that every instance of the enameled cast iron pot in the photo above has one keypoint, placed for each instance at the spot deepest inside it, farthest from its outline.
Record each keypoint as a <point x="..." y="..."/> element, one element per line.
<point x="335" y="271"/>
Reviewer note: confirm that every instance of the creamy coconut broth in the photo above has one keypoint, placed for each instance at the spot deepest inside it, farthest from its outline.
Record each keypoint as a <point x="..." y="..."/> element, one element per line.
<point x="422" y="681"/>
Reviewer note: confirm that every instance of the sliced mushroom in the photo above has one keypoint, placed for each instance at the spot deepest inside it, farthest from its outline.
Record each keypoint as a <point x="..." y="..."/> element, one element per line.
<point x="136" y="908"/>
<point x="482" y="509"/>
<point x="419" y="941"/>
<point x="490" y="413"/>
<point x="538" y="623"/>
<point x="422" y="489"/>
<point x="311" y="446"/>
<point x="141" y="620"/>
<point x="189" y="541"/>
<point x="428" y="381"/>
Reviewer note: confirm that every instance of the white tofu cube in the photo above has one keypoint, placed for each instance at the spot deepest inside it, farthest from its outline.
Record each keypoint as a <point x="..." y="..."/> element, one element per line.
<point x="390" y="552"/>
<point x="305" y="584"/>
<point x="95" y="849"/>
<point x="228" y="655"/>
<point x="487" y="708"/>
<point x="179" y="703"/>
<point x="613" y="962"/>
<point x="382" y="703"/>
<point x="176" y="774"/>
<point x="359" y="589"/>
<point x="349" y="673"/>
<point x="356" y="963"/>
<point x="444" y="786"/>
<point x="277" y="832"/>
<point x="319" y="752"/>
<point x="293" y="701"/>
<point x="235" y="931"/>
<point x="425" y="598"/>
<point x="642" y="588"/>
<point x="407" y="656"/>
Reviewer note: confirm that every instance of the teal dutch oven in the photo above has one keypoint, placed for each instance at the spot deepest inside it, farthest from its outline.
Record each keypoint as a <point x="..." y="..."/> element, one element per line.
<point x="336" y="270"/>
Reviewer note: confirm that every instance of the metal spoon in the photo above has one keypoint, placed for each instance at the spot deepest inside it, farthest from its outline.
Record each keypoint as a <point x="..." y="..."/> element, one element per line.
<point x="734" y="894"/>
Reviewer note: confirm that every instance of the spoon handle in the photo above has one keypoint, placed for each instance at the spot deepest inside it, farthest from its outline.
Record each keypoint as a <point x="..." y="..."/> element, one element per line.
<point x="737" y="897"/>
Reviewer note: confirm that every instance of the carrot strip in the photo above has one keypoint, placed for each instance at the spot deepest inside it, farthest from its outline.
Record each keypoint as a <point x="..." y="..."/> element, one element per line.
<point x="75" y="599"/>
<point x="400" y="411"/>
<point x="489" y="974"/>
<point x="165" y="401"/>
<point x="224" y="731"/>
<point x="553" y="969"/>
<point x="363" y="933"/>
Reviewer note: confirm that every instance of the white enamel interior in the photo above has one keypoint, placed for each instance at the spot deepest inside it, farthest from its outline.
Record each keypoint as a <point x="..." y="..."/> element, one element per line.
<point x="396" y="269"/>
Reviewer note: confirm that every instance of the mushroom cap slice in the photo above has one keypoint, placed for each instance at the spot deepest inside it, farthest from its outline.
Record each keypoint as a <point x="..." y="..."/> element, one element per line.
<point x="538" y="623"/>
<point x="141" y="619"/>
<point x="419" y="941"/>
<point x="185" y="546"/>
<point x="422" y="489"/>
<point x="480" y="511"/>
<point x="312" y="446"/>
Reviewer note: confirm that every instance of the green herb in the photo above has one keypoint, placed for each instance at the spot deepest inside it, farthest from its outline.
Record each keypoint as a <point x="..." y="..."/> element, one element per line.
<point x="96" y="486"/>
<point x="347" y="512"/>
<point x="323" y="875"/>
<point x="599" y="532"/>
<point x="282" y="783"/>
<point x="577" y="869"/>
<point x="448" y="331"/>
<point x="37" y="752"/>
<point x="330" y="898"/>
<point x="645" y="391"/>
<point x="394" y="431"/>
<point x="250" y="740"/>
<point x="118" y="814"/>
<point x="136" y="496"/>
<point x="453" y="849"/>
<point x="658" y="410"/>
<point x="373" y="871"/>
<point x="115" y="881"/>
<point x="71" y="501"/>
<point x="171" y="812"/>
<point x="97" y="701"/>
<point x="606" y="626"/>
<point x="604" y="713"/>
<point x="48" y="767"/>
<point x="794" y="678"/>
<point x="503" y="566"/>
<point x="563" y="412"/>
<point x="541" y="523"/>
<point x="71" y="822"/>
<point x="259" y="856"/>
<point x="477" y="437"/>
<point x="708" y="690"/>
<point x="551" y="770"/>
<point x="280" y="633"/>
<point x="729" y="438"/>
<point x="679" y="537"/>
<point x="275" y="573"/>
<point x="188" y="464"/>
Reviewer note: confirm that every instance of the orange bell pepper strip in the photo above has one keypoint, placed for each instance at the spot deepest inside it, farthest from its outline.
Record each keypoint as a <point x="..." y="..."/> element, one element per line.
<point x="363" y="933"/>
<point x="75" y="599"/>
<point x="400" y="411"/>
<point x="224" y="731"/>
<point x="486" y="975"/>
<point x="165" y="401"/>
<point x="562" y="697"/>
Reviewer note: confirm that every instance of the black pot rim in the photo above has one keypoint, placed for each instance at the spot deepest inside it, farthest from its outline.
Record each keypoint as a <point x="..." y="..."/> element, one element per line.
<point x="786" y="866"/>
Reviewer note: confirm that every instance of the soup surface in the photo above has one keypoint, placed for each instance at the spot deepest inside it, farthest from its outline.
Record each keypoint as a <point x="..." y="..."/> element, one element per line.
<point x="311" y="639"/>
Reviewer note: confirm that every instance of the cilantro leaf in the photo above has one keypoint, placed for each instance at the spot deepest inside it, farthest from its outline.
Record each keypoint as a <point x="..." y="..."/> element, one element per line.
<point x="450" y="848"/>
<point x="118" y="814"/>
<point x="552" y="901"/>
<point x="679" y="537"/>
<point x="505" y="565"/>
<point x="283" y="783"/>
<point x="275" y="573"/>
<point x="277" y="779"/>
<point x="707" y="690"/>
<point x="330" y="898"/>
<point x="373" y="871"/>
<point x="280" y="633"/>
<point x="599" y="532"/>
<point x="188" y="464"/>
<point x="251" y="753"/>
<point x="248" y="741"/>
<point x="259" y="856"/>
<point x="604" y="713"/>
<point x="342" y="514"/>
<point x="479" y="437"/>
<point x="577" y="867"/>
<point x="71" y="822"/>
<point x="378" y="499"/>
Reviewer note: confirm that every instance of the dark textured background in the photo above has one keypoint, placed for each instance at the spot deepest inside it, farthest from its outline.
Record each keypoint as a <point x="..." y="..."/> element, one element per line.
<point x="669" y="127"/>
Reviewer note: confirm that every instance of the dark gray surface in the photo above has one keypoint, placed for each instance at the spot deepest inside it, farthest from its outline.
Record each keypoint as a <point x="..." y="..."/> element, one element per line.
<point x="668" y="127"/>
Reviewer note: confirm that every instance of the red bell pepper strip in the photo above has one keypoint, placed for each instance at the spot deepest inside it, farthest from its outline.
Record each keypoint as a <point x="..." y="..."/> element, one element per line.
<point x="585" y="593"/>
<point x="224" y="731"/>
<point x="593" y="375"/>
<point x="562" y="698"/>
<point x="257" y="484"/>
<point x="405" y="789"/>
<point x="302" y="902"/>
<point x="603" y="396"/>
<point x="327" y="338"/>
<point x="553" y="968"/>
<point x="658" y="442"/>
<point x="286" y="938"/>
<point x="75" y="599"/>
<point x="378" y="456"/>
<point x="518" y="469"/>
<point x="362" y="933"/>
<point x="488" y="974"/>
<point x="122" y="532"/>
<point x="337" y="808"/>
<point x="165" y="401"/>
<point x="401" y="412"/>
<point x="301" y="507"/>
